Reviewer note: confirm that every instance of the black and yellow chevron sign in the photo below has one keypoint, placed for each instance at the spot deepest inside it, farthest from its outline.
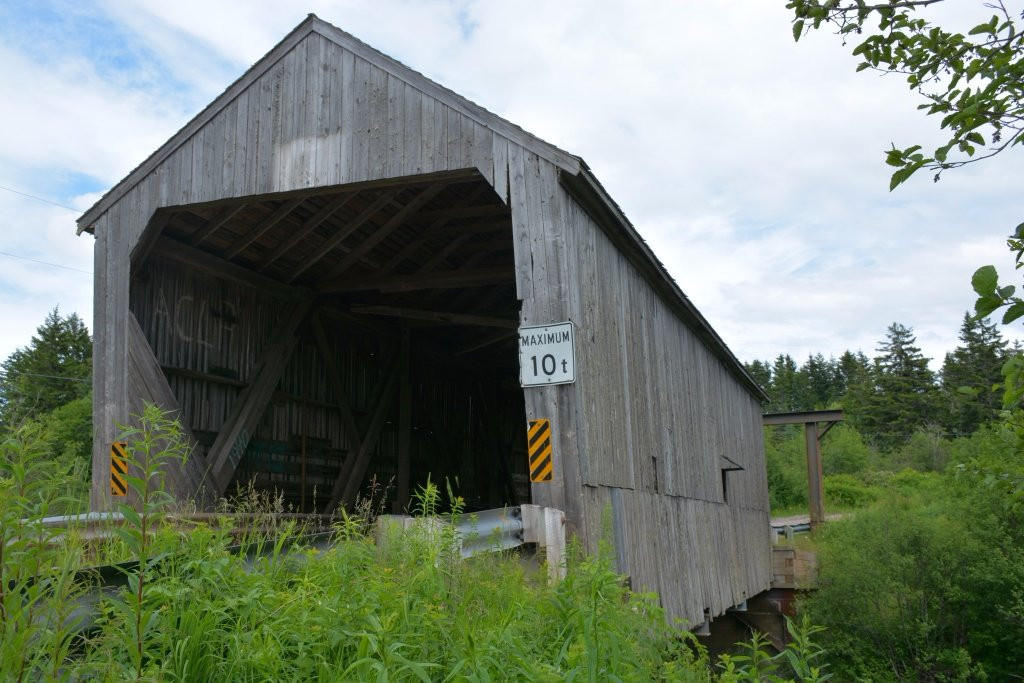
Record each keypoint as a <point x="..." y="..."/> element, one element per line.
<point x="538" y="440"/>
<point x="118" y="469"/>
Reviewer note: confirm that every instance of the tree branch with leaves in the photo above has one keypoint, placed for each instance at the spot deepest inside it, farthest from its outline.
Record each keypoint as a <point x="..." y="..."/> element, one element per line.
<point x="974" y="82"/>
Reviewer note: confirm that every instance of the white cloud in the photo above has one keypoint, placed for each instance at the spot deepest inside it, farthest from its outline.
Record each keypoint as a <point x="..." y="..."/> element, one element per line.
<point x="753" y="165"/>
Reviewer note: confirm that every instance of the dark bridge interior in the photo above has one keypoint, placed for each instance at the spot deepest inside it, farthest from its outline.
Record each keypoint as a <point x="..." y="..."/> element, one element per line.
<point x="318" y="342"/>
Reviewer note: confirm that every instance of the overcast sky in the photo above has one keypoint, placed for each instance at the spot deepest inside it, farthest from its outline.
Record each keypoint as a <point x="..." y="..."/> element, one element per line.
<point x="753" y="165"/>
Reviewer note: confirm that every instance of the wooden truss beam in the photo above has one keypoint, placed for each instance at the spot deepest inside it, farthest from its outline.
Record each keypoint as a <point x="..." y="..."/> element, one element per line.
<point x="184" y="480"/>
<point x="383" y="231"/>
<point x="485" y="340"/>
<point x="802" y="417"/>
<point x="438" y="316"/>
<point x="334" y="240"/>
<point x="233" y="438"/>
<point x="354" y="469"/>
<point x="214" y="224"/>
<point x="465" y="212"/>
<point x="431" y="231"/>
<point x="224" y="270"/>
<point x="449" y="279"/>
<point x="311" y="224"/>
<point x="442" y="254"/>
<point x="160" y="220"/>
<point x="256" y="232"/>
<point x="348" y="421"/>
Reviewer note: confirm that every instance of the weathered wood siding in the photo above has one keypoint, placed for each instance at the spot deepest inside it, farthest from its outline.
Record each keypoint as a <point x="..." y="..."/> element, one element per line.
<point x="639" y="440"/>
<point x="644" y="431"/>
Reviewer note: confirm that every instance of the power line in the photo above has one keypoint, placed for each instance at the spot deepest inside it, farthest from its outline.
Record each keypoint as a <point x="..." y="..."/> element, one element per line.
<point x="40" y="199"/>
<point x="48" y="201"/>
<point x="45" y="263"/>
<point x="5" y="375"/>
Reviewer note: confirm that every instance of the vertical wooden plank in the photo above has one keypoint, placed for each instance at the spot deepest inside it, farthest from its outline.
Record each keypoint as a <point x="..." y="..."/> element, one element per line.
<point x="395" y="116"/>
<point x="213" y="163"/>
<point x="538" y="311"/>
<point x="327" y="141"/>
<point x="240" y="141"/>
<point x="195" y="172"/>
<point x="466" y="142"/>
<point x="483" y="151"/>
<point x="185" y="173"/>
<point x="561" y="279"/>
<point x="440" y="137"/>
<point x="520" y="224"/>
<point x="270" y="95"/>
<point x="428" y="139"/>
<point x="378" y="123"/>
<point x="454" y="132"/>
<point x="227" y="152"/>
<point x="286" y="115"/>
<point x="99" y="492"/>
<point x="412" y="148"/>
<point x="346" y="124"/>
<point x="499" y="161"/>
<point x="318" y="98"/>
<point x="115" y="390"/>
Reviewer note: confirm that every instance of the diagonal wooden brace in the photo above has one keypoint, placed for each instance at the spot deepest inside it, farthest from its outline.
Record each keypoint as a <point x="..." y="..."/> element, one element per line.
<point x="230" y="444"/>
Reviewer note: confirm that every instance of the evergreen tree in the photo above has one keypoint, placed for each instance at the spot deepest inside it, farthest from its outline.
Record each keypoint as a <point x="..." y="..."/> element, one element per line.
<point x="820" y="382"/>
<point x="850" y="368"/>
<point x="788" y="389"/>
<point x="53" y="370"/>
<point x="969" y="374"/>
<point x="904" y="396"/>
<point x="761" y="371"/>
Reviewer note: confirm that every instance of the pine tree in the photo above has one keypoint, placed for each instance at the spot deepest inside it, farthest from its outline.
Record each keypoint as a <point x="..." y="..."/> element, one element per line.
<point x="849" y="369"/>
<point x="761" y="371"/>
<point x="969" y="374"/>
<point x="788" y="389"/>
<point x="904" y="397"/>
<point x="53" y="370"/>
<point x="820" y="381"/>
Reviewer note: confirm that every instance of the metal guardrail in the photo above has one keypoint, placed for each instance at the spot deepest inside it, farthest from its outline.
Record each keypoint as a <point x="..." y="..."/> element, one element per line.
<point x="490" y="530"/>
<point x="477" y="532"/>
<point x="97" y="522"/>
<point x="501" y="529"/>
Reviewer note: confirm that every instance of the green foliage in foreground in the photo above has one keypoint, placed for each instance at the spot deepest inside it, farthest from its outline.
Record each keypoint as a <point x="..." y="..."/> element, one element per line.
<point x="403" y="607"/>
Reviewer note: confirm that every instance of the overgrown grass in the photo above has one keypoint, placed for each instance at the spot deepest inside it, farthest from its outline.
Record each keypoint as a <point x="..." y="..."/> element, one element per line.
<point x="376" y="605"/>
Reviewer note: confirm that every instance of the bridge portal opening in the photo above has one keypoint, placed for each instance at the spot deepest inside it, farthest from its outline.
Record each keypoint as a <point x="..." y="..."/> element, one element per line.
<point x="343" y="343"/>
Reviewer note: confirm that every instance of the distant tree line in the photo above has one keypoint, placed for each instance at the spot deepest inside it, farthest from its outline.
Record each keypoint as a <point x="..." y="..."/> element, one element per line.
<point x="889" y="397"/>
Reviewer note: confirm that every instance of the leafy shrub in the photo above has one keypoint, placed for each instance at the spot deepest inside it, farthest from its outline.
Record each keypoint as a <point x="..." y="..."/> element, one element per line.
<point x="913" y="592"/>
<point x="847" y="491"/>
<point x="926" y="451"/>
<point x="786" y="464"/>
<point x="844" y="451"/>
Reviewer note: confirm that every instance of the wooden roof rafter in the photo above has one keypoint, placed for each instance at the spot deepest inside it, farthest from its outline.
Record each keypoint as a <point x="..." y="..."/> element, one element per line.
<point x="307" y="227"/>
<point x="339" y="236"/>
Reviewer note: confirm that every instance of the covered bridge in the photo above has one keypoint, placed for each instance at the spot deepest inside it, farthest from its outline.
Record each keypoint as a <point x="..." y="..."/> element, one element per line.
<point x="323" y="275"/>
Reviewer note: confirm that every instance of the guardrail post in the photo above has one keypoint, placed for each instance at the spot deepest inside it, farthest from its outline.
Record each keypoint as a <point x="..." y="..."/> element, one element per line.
<point x="546" y="527"/>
